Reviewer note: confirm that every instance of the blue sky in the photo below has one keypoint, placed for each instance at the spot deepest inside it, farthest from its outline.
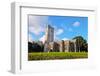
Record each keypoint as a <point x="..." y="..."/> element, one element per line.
<point x="66" y="27"/>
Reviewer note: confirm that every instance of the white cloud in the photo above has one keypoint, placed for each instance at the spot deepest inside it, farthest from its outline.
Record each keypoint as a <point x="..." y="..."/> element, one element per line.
<point x="65" y="39"/>
<point x="42" y="38"/>
<point x="37" y="24"/>
<point x="56" y="38"/>
<point x="76" y="24"/>
<point x="30" y="37"/>
<point x="59" y="31"/>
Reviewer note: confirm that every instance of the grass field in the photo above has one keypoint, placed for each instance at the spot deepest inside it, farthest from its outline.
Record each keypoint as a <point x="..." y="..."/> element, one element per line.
<point x="56" y="55"/>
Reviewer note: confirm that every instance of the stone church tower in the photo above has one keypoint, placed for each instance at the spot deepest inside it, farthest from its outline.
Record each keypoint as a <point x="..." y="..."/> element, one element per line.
<point x="49" y="37"/>
<point x="49" y="34"/>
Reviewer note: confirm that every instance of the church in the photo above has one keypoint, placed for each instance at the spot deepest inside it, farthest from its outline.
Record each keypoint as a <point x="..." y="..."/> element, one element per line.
<point x="57" y="46"/>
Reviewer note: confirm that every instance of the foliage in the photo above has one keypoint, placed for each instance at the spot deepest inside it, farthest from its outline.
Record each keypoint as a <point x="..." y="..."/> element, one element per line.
<point x="81" y="44"/>
<point x="56" y="55"/>
<point x="35" y="47"/>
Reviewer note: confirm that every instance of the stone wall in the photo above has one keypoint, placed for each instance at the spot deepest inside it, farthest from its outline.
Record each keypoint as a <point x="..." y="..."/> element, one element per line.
<point x="61" y="46"/>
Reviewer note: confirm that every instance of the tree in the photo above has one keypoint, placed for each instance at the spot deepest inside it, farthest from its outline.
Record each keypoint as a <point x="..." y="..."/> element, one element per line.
<point x="35" y="47"/>
<point x="81" y="43"/>
<point x="30" y="47"/>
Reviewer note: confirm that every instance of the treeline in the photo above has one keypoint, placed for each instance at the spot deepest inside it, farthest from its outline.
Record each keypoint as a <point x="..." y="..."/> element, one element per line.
<point x="81" y="43"/>
<point x="35" y="47"/>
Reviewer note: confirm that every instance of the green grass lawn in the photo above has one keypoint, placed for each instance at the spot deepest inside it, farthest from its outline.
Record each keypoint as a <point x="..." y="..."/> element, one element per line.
<point x="56" y="55"/>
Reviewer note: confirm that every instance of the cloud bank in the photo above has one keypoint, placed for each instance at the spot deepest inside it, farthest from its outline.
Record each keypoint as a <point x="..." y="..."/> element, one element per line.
<point x="42" y="38"/>
<point x="37" y="24"/>
<point x="76" y="24"/>
<point x="59" y="31"/>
